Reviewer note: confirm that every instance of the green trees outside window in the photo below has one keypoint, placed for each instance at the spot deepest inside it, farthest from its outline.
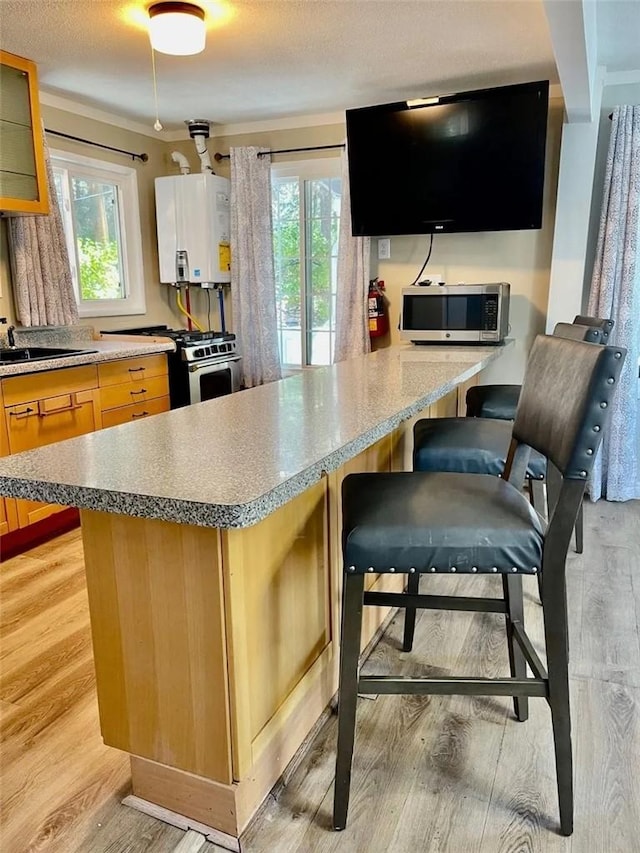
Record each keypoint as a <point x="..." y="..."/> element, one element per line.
<point x="91" y="207"/>
<point x="306" y="216"/>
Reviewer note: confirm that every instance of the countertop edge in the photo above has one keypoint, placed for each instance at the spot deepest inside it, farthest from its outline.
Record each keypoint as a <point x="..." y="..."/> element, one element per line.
<point x="124" y="349"/>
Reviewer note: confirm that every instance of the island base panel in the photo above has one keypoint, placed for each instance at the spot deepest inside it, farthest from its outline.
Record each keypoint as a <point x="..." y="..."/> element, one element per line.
<point x="157" y="623"/>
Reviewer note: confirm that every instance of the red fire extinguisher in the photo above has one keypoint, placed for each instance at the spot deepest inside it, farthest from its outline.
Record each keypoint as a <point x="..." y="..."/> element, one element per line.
<point x="378" y="317"/>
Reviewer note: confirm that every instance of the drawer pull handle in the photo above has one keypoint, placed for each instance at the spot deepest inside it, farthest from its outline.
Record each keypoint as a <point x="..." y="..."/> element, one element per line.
<point x="141" y="391"/>
<point x="26" y="411"/>
<point x="136" y="369"/>
<point x="139" y="414"/>
<point x="59" y="411"/>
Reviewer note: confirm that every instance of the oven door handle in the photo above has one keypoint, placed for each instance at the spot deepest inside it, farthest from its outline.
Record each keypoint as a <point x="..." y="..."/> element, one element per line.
<point x="222" y="363"/>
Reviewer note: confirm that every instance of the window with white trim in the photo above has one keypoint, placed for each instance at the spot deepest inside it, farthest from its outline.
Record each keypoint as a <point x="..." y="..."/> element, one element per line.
<point x="99" y="206"/>
<point x="306" y="219"/>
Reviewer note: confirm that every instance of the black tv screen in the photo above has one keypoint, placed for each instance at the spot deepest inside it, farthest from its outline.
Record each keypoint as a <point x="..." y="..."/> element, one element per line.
<point x="473" y="161"/>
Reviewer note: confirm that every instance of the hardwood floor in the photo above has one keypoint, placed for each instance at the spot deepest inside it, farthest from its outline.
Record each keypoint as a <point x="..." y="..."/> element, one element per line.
<point x="431" y="774"/>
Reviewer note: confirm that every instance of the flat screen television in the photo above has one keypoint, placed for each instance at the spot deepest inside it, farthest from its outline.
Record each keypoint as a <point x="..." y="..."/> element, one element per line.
<point x="473" y="161"/>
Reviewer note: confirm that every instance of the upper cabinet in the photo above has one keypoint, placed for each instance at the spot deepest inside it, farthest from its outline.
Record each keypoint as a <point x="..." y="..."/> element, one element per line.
<point x="23" y="181"/>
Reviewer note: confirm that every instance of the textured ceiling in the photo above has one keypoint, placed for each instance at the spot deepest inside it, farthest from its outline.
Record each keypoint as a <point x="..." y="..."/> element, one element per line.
<point x="279" y="58"/>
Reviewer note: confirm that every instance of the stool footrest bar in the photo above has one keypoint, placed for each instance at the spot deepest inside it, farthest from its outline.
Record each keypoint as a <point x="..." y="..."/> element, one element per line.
<point x="454" y="686"/>
<point x="435" y="602"/>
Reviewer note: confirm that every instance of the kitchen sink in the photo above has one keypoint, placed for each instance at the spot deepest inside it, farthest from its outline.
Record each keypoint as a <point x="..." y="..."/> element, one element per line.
<point x="20" y="355"/>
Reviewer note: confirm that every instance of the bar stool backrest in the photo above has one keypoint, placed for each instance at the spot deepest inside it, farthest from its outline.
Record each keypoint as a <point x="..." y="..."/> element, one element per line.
<point x="579" y="333"/>
<point x="598" y="322"/>
<point x="564" y="404"/>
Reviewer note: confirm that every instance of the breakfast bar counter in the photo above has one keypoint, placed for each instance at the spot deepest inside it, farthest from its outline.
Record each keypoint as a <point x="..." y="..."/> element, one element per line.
<point x="212" y="552"/>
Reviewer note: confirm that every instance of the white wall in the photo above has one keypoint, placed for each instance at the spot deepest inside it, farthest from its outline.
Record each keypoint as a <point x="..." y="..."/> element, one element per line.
<point x="573" y="209"/>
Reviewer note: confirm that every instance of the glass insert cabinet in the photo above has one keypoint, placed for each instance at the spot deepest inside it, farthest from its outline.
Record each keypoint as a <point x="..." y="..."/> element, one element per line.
<point x="23" y="182"/>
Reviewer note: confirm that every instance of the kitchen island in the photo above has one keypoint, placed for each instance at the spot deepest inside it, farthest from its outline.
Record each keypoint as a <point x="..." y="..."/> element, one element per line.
<point x="212" y="552"/>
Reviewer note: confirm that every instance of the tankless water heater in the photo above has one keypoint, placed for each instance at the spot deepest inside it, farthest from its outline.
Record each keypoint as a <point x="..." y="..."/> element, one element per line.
<point x="192" y="213"/>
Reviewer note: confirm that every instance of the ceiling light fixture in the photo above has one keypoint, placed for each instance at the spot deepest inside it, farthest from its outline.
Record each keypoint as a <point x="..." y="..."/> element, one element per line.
<point x="177" y="28"/>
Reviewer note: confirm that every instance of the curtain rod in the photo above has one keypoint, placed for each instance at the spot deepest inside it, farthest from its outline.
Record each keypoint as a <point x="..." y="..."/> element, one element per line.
<point x="143" y="157"/>
<point x="217" y="156"/>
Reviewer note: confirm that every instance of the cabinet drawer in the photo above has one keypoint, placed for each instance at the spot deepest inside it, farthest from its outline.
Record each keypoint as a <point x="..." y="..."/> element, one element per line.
<point x="50" y="420"/>
<point x="131" y="369"/>
<point x="49" y="383"/>
<point x="114" y="396"/>
<point x="135" y="412"/>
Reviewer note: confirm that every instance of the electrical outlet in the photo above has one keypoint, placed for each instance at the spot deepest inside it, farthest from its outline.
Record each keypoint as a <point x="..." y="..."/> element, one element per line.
<point x="384" y="249"/>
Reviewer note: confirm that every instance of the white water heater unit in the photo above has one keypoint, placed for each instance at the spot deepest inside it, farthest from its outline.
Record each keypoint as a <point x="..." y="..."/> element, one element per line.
<point x="192" y="213"/>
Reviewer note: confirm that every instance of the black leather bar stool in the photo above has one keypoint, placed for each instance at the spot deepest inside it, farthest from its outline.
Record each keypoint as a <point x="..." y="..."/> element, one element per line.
<point x="423" y="522"/>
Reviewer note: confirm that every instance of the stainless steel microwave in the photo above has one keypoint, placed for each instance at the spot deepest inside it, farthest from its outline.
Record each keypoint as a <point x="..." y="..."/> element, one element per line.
<point x="459" y="313"/>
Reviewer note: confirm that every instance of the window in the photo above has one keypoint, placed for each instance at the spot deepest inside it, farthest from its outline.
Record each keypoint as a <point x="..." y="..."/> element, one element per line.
<point x="99" y="206"/>
<point x="306" y="218"/>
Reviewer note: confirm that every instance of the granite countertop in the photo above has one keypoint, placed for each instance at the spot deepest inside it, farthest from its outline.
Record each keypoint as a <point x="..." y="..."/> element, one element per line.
<point x="108" y="349"/>
<point x="230" y="462"/>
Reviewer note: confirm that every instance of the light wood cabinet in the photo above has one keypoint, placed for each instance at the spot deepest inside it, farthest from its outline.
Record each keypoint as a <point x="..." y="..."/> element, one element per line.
<point x="41" y="408"/>
<point x="133" y="389"/>
<point x="23" y="180"/>
<point x="8" y="513"/>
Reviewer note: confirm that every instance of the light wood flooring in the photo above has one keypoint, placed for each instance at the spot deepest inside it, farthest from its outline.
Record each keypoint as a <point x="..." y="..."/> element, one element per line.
<point x="431" y="774"/>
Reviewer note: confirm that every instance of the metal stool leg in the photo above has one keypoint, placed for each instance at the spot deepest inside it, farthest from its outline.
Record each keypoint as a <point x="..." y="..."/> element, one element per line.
<point x="555" y="627"/>
<point x="539" y="502"/>
<point x="413" y="588"/>
<point x="580" y="529"/>
<point x="512" y="586"/>
<point x="349" y="653"/>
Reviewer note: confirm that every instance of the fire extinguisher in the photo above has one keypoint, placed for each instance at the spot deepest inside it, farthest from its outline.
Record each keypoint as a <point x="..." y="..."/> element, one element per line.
<point x="378" y="317"/>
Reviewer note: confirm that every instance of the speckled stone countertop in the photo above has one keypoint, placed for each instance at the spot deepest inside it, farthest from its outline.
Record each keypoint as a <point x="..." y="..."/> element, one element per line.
<point x="108" y="349"/>
<point x="230" y="462"/>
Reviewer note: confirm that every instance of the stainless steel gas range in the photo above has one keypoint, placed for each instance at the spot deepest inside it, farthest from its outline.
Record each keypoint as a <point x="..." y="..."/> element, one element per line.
<point x="204" y="366"/>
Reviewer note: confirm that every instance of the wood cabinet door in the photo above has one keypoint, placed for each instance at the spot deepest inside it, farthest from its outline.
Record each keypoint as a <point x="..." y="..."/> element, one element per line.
<point x="43" y="422"/>
<point x="8" y="514"/>
<point x="23" y="182"/>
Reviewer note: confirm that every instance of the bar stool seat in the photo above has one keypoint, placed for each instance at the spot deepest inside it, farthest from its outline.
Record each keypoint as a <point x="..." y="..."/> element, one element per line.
<point x="468" y="446"/>
<point x="385" y="529"/>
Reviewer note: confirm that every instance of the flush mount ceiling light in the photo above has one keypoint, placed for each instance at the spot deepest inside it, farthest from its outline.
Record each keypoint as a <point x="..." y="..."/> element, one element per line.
<point x="177" y="28"/>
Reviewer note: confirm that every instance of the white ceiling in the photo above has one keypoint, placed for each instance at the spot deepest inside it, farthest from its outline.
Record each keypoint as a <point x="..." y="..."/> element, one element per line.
<point x="269" y="59"/>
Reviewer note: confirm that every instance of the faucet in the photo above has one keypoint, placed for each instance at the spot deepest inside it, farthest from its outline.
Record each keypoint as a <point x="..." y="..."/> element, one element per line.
<point x="10" y="330"/>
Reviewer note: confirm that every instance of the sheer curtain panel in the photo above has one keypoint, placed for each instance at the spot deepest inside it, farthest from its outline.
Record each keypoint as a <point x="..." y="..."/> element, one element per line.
<point x="253" y="288"/>
<point x="42" y="282"/>
<point x="352" y="319"/>
<point x="615" y="293"/>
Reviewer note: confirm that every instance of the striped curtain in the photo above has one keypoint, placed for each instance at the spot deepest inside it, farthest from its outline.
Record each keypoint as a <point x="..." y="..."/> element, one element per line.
<point x="253" y="284"/>
<point x="352" y="319"/>
<point x="615" y="293"/>
<point x="40" y="269"/>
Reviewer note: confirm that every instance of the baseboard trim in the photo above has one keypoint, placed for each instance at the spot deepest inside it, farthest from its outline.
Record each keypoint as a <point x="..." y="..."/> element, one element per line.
<point x="215" y="836"/>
